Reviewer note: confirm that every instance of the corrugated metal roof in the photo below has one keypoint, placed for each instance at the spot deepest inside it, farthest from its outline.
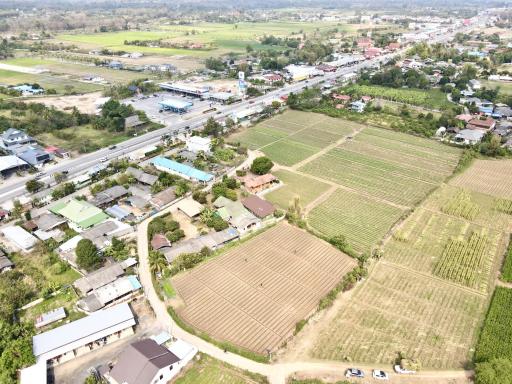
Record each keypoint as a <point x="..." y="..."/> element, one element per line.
<point x="182" y="169"/>
<point x="80" y="329"/>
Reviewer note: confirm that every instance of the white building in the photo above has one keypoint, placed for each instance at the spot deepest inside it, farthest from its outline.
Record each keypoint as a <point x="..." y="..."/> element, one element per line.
<point x="301" y="72"/>
<point x="20" y="238"/>
<point x="197" y="143"/>
<point x="84" y="335"/>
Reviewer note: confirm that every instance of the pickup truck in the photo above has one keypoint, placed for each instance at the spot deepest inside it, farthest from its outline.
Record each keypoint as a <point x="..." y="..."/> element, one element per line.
<point x="399" y="369"/>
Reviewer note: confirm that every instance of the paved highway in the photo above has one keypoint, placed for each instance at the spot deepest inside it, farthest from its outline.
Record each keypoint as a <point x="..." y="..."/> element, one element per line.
<point x="80" y="164"/>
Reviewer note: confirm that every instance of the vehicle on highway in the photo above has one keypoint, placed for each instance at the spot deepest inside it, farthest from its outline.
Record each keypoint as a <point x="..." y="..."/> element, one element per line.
<point x="39" y="175"/>
<point x="377" y="374"/>
<point x="251" y="101"/>
<point x="103" y="159"/>
<point x="112" y="147"/>
<point x="399" y="369"/>
<point x="354" y="372"/>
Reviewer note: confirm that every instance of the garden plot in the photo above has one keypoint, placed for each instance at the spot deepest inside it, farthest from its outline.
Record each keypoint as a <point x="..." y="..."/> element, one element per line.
<point x="295" y="185"/>
<point x="493" y="177"/>
<point x="362" y="221"/>
<point x="268" y="284"/>
<point x="396" y="310"/>
<point x="294" y="136"/>
<point x="391" y="166"/>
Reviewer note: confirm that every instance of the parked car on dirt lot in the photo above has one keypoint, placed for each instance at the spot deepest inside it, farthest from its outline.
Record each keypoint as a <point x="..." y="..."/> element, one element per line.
<point x="380" y="375"/>
<point x="354" y="372"/>
<point x="399" y="369"/>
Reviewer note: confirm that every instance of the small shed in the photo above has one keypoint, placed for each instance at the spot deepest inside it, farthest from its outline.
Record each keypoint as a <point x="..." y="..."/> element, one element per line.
<point x="190" y="207"/>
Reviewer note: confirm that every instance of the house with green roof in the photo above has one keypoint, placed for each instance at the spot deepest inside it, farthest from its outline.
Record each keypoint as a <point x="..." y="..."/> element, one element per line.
<point x="81" y="214"/>
<point x="236" y="214"/>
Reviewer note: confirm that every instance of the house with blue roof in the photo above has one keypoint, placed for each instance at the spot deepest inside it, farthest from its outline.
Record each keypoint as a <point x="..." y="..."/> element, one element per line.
<point x="182" y="170"/>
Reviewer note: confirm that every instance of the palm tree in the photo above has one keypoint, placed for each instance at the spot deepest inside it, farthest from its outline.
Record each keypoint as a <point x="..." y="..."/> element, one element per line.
<point x="157" y="262"/>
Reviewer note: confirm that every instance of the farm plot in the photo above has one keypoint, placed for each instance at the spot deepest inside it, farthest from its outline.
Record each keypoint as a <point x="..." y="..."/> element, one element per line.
<point x="493" y="177"/>
<point x="441" y="244"/>
<point x="268" y="284"/>
<point x="363" y="221"/>
<point x="496" y="333"/>
<point x="294" y="136"/>
<point x="396" y="310"/>
<point x="303" y="187"/>
<point x="388" y="165"/>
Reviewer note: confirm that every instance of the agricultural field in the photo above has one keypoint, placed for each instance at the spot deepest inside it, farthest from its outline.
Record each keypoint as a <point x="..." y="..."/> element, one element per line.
<point x="496" y="333"/>
<point x="505" y="87"/>
<point x="269" y="283"/>
<point x="493" y="177"/>
<point x="363" y="221"/>
<point x="74" y="70"/>
<point x="428" y="294"/>
<point x="433" y="98"/>
<point x="60" y="83"/>
<point x="397" y="309"/>
<point x="81" y="139"/>
<point x="222" y="38"/>
<point x="294" y="136"/>
<point x="295" y="185"/>
<point x="208" y="370"/>
<point x="391" y="166"/>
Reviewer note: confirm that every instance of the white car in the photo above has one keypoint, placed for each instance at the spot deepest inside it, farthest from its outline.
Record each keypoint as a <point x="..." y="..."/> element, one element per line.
<point x="380" y="375"/>
<point x="103" y="159"/>
<point x="399" y="369"/>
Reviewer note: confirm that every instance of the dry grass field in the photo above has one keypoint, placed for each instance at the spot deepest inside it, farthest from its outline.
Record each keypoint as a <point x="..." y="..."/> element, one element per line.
<point x="254" y="294"/>
<point x="493" y="177"/>
<point x="399" y="310"/>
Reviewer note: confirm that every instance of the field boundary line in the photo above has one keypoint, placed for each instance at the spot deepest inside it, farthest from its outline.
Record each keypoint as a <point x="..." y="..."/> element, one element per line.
<point x="326" y="149"/>
<point x="294" y="133"/>
<point x="348" y="189"/>
<point x="320" y="199"/>
<point x="432" y="277"/>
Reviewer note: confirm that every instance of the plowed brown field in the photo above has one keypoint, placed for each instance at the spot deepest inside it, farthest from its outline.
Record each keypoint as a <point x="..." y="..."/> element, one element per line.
<point x="254" y="294"/>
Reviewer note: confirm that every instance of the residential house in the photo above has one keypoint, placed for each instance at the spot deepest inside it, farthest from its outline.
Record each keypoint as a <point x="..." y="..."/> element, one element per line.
<point x="80" y="214"/>
<point x="190" y="207"/>
<point x="115" y="65"/>
<point x="197" y="144"/>
<point x="393" y="46"/>
<point x="13" y="136"/>
<point x="144" y="362"/>
<point x="469" y="136"/>
<point x="475" y="84"/>
<point x="118" y="290"/>
<point x="256" y="184"/>
<point x="343" y="99"/>
<point x="33" y="154"/>
<point x="97" y="279"/>
<point x="357" y="106"/>
<point x="259" y="207"/>
<point x="236" y="215"/>
<point x="364" y="43"/>
<point x="133" y="122"/>
<point x="182" y="170"/>
<point x="212" y="240"/>
<point x="84" y="335"/>
<point x="56" y="151"/>
<point x="485" y="124"/>
<point x="48" y="221"/>
<point x="486" y="107"/>
<point x="272" y="78"/>
<point x="503" y="111"/>
<point x="465" y="117"/>
<point x="326" y="68"/>
<point x="372" y="52"/>
<point x="161" y="199"/>
<point x="160" y="242"/>
<point x="108" y="196"/>
<point x="119" y="213"/>
<point x="101" y="234"/>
